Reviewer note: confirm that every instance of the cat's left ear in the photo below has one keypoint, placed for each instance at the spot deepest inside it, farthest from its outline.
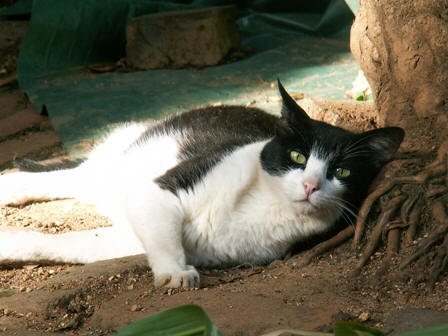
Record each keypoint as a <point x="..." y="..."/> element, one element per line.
<point x="292" y="113"/>
<point x="384" y="142"/>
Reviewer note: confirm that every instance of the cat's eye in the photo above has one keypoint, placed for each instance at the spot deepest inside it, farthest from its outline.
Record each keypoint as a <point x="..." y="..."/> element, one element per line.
<point x="342" y="172"/>
<point x="298" y="157"/>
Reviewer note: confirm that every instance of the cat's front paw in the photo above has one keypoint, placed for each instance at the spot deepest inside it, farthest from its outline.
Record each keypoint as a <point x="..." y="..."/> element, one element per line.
<point x="188" y="278"/>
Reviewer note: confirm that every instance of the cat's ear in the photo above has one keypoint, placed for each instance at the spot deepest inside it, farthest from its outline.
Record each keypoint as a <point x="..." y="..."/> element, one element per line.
<point x="291" y="112"/>
<point x="384" y="142"/>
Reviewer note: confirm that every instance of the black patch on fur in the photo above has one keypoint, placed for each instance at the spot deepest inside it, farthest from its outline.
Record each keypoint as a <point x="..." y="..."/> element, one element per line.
<point x="211" y="133"/>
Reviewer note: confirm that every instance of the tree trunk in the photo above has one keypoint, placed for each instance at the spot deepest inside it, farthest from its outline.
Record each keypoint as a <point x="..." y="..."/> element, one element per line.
<point x="402" y="47"/>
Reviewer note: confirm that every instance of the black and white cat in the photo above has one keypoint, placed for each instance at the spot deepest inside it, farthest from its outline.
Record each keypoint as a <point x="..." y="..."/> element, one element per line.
<point x="214" y="186"/>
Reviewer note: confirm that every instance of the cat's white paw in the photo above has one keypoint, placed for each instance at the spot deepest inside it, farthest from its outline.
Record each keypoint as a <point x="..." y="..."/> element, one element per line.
<point x="188" y="278"/>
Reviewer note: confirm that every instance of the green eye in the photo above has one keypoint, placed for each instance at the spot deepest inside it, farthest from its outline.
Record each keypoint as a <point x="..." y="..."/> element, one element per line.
<point x="298" y="157"/>
<point x="342" y="172"/>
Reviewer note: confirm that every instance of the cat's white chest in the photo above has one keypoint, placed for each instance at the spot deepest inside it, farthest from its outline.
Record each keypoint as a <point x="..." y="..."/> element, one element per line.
<point x="239" y="214"/>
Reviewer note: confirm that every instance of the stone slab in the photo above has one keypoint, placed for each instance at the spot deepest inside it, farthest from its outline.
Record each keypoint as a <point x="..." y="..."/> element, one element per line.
<point x="194" y="38"/>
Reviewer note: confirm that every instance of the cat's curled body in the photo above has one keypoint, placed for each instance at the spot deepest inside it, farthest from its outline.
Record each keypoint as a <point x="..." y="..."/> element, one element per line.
<point x="210" y="187"/>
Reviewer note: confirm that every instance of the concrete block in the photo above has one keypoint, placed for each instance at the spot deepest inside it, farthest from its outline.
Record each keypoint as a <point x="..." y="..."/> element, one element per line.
<point x="194" y="38"/>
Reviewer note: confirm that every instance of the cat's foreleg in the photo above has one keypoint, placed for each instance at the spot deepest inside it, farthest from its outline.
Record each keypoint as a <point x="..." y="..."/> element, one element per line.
<point x="157" y="219"/>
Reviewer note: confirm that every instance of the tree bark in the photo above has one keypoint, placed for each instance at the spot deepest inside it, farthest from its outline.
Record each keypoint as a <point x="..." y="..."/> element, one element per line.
<point x="402" y="47"/>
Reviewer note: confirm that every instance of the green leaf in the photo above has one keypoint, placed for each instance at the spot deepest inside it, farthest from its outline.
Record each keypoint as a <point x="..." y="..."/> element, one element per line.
<point x="187" y="320"/>
<point x="7" y="292"/>
<point x="344" y="328"/>
<point x="360" y="97"/>
<point x="441" y="330"/>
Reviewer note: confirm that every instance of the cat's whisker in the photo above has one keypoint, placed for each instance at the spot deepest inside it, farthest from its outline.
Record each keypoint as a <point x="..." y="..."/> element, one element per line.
<point x="344" y="207"/>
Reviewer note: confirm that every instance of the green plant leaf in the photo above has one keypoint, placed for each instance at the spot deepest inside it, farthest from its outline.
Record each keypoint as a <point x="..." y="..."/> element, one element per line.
<point x="7" y="292"/>
<point x="441" y="330"/>
<point x="187" y="320"/>
<point x="360" y="97"/>
<point x="344" y="328"/>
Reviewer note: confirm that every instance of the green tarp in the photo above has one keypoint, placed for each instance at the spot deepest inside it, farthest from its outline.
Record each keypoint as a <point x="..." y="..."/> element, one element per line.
<point x="304" y="44"/>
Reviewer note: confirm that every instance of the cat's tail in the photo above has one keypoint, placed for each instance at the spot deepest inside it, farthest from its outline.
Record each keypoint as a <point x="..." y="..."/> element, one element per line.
<point x="21" y="187"/>
<point x="72" y="247"/>
<point x="59" y="163"/>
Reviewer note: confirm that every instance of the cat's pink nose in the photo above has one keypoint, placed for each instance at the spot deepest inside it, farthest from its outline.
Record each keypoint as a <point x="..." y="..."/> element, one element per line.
<point x="310" y="188"/>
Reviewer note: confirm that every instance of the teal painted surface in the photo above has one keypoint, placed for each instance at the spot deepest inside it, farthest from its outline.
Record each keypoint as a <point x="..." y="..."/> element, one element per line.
<point x="307" y="48"/>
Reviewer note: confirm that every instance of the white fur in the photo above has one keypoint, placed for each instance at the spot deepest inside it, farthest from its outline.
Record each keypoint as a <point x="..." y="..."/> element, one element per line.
<point x="238" y="213"/>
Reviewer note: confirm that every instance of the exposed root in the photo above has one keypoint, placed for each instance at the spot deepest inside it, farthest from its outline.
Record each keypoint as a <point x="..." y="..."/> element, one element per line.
<point x="440" y="215"/>
<point x="327" y="245"/>
<point x="368" y="203"/>
<point x="440" y="263"/>
<point x="403" y="213"/>
<point x="424" y="248"/>
<point x="414" y="219"/>
<point x="432" y="172"/>
<point x="377" y="232"/>
<point x="408" y="206"/>
<point x="393" y="246"/>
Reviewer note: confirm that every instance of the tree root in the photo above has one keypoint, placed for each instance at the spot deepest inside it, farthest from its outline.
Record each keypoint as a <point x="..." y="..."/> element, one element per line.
<point x="439" y="263"/>
<point x="393" y="245"/>
<point x="441" y="232"/>
<point x="378" y="231"/>
<point x="436" y="236"/>
<point x="327" y="245"/>
<point x="414" y="218"/>
<point x="429" y="173"/>
<point x="402" y="213"/>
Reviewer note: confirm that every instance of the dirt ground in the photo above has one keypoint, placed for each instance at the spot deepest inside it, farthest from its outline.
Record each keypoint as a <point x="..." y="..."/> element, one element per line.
<point x="102" y="297"/>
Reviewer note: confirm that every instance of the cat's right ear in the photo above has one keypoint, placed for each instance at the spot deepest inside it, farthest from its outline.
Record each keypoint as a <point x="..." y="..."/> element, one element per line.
<point x="383" y="144"/>
<point x="292" y="113"/>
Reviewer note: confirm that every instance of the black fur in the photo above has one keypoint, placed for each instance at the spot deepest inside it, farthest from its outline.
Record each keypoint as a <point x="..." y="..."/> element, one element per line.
<point x="212" y="133"/>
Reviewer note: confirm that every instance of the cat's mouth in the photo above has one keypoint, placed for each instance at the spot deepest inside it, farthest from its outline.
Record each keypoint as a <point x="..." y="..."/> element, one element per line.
<point x="305" y="202"/>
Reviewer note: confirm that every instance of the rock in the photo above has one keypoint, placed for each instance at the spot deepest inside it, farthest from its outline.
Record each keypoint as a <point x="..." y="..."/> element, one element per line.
<point x="196" y="38"/>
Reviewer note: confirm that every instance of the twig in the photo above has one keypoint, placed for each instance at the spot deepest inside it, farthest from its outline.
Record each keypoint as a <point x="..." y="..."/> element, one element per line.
<point x="323" y="247"/>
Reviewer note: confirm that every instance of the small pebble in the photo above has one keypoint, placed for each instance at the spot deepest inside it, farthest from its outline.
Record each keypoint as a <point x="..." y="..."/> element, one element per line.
<point x="135" y="308"/>
<point x="363" y="317"/>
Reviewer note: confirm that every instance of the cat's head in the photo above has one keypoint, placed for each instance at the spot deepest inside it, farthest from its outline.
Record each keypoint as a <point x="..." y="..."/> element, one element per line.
<point x="323" y="168"/>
